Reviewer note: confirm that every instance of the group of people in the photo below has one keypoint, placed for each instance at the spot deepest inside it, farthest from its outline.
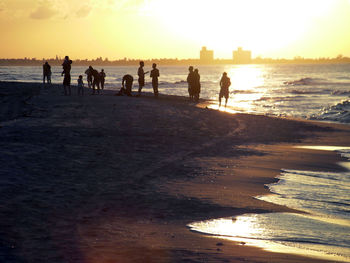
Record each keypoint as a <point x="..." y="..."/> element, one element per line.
<point x="128" y="80"/>
<point x="194" y="84"/>
<point x="95" y="79"/>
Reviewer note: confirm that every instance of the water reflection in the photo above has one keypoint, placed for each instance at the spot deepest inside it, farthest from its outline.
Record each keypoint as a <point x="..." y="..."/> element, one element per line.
<point x="280" y="232"/>
<point x="324" y="148"/>
<point x="321" y="233"/>
<point x="242" y="226"/>
<point x="246" y="77"/>
<point x="246" y="88"/>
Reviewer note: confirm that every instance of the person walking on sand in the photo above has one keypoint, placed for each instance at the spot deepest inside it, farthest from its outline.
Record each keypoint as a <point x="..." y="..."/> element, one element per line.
<point x="66" y="72"/>
<point x="47" y="73"/>
<point x="80" y="85"/>
<point x="190" y="79"/>
<point x="102" y="77"/>
<point x="196" y="86"/>
<point x="141" y="75"/>
<point x="96" y="81"/>
<point x="225" y="83"/>
<point x="154" y="75"/>
<point x="88" y="73"/>
<point x="127" y="84"/>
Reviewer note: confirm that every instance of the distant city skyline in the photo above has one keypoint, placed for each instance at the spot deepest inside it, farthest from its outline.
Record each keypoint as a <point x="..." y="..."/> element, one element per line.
<point x="163" y="28"/>
<point x="196" y="56"/>
<point x="205" y="55"/>
<point x="57" y="61"/>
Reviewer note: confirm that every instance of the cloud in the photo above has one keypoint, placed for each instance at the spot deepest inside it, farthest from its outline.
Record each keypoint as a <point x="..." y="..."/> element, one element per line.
<point x="67" y="9"/>
<point x="43" y="12"/>
<point x="118" y="5"/>
<point x="83" y="11"/>
<point x="2" y="6"/>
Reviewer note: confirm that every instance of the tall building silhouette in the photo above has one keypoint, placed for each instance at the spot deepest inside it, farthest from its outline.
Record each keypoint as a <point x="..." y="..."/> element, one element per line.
<point x="241" y="56"/>
<point x="206" y="55"/>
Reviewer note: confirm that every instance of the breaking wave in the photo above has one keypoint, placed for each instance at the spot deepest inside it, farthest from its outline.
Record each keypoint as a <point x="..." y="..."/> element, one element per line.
<point x="302" y="81"/>
<point x="340" y="93"/>
<point x="339" y="113"/>
<point x="316" y="81"/>
<point x="305" y="92"/>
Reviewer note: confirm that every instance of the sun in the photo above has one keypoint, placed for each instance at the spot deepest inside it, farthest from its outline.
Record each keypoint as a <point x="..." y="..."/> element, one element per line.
<point x="223" y="25"/>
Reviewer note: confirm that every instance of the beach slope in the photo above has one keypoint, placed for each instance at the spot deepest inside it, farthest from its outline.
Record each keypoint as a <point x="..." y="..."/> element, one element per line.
<point x="117" y="179"/>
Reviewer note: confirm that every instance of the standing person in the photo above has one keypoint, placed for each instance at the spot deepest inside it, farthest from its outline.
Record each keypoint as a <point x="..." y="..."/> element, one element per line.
<point x="47" y="73"/>
<point x="128" y="80"/>
<point x="190" y="78"/>
<point x="154" y="75"/>
<point x="80" y="85"/>
<point x="96" y="81"/>
<point x="88" y="73"/>
<point x="141" y="75"/>
<point x="102" y="77"/>
<point x="66" y="72"/>
<point x="196" y="86"/>
<point x="225" y="83"/>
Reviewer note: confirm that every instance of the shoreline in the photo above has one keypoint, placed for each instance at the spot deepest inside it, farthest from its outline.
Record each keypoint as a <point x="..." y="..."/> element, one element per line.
<point x="171" y="172"/>
<point x="264" y="166"/>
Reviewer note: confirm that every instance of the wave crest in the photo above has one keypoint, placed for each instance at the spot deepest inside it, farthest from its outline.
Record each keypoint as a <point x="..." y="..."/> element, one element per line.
<point x="302" y="81"/>
<point x="339" y="112"/>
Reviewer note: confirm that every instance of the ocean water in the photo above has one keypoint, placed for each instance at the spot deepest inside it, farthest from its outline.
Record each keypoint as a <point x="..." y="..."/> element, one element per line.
<point x="318" y="92"/>
<point x="322" y="232"/>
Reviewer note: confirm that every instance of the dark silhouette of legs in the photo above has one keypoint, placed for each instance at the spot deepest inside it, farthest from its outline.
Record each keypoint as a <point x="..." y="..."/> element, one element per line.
<point x="155" y="88"/>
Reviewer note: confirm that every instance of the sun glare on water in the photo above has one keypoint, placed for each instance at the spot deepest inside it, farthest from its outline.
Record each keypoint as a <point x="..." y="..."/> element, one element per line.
<point x="253" y="230"/>
<point x="247" y="86"/>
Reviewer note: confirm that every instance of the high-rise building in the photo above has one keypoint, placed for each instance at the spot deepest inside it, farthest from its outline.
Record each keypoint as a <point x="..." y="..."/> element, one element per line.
<point x="241" y="56"/>
<point x="206" y="55"/>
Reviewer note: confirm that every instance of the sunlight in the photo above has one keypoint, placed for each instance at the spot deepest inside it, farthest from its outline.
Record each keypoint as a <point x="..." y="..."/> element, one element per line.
<point x="252" y="230"/>
<point x="247" y="86"/>
<point x="163" y="28"/>
<point x="246" y="77"/>
<point x="225" y="24"/>
<point x="242" y="226"/>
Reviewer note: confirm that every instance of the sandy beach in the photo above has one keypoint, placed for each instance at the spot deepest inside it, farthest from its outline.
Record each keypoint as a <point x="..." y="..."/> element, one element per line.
<point x="116" y="179"/>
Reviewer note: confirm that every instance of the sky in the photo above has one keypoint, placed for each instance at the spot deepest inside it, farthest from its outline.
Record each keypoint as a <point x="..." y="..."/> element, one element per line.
<point x="149" y="29"/>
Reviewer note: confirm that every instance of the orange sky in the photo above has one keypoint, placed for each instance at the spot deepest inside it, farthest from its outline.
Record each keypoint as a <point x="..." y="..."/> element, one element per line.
<point x="168" y="28"/>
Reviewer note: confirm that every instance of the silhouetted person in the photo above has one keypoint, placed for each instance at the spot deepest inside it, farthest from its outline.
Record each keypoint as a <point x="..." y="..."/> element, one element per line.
<point x="47" y="73"/>
<point x="102" y="77"/>
<point x="80" y="85"/>
<point x="88" y="73"/>
<point x="196" y="86"/>
<point x="154" y="75"/>
<point x="127" y="84"/>
<point x="190" y="79"/>
<point x="66" y="72"/>
<point x="141" y="75"/>
<point x="225" y="83"/>
<point x="96" y="81"/>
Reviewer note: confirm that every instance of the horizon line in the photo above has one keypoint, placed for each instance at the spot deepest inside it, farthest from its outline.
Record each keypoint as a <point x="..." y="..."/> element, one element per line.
<point x="340" y="56"/>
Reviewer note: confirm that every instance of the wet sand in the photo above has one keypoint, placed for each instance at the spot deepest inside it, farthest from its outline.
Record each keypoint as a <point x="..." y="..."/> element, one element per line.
<point x="117" y="179"/>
